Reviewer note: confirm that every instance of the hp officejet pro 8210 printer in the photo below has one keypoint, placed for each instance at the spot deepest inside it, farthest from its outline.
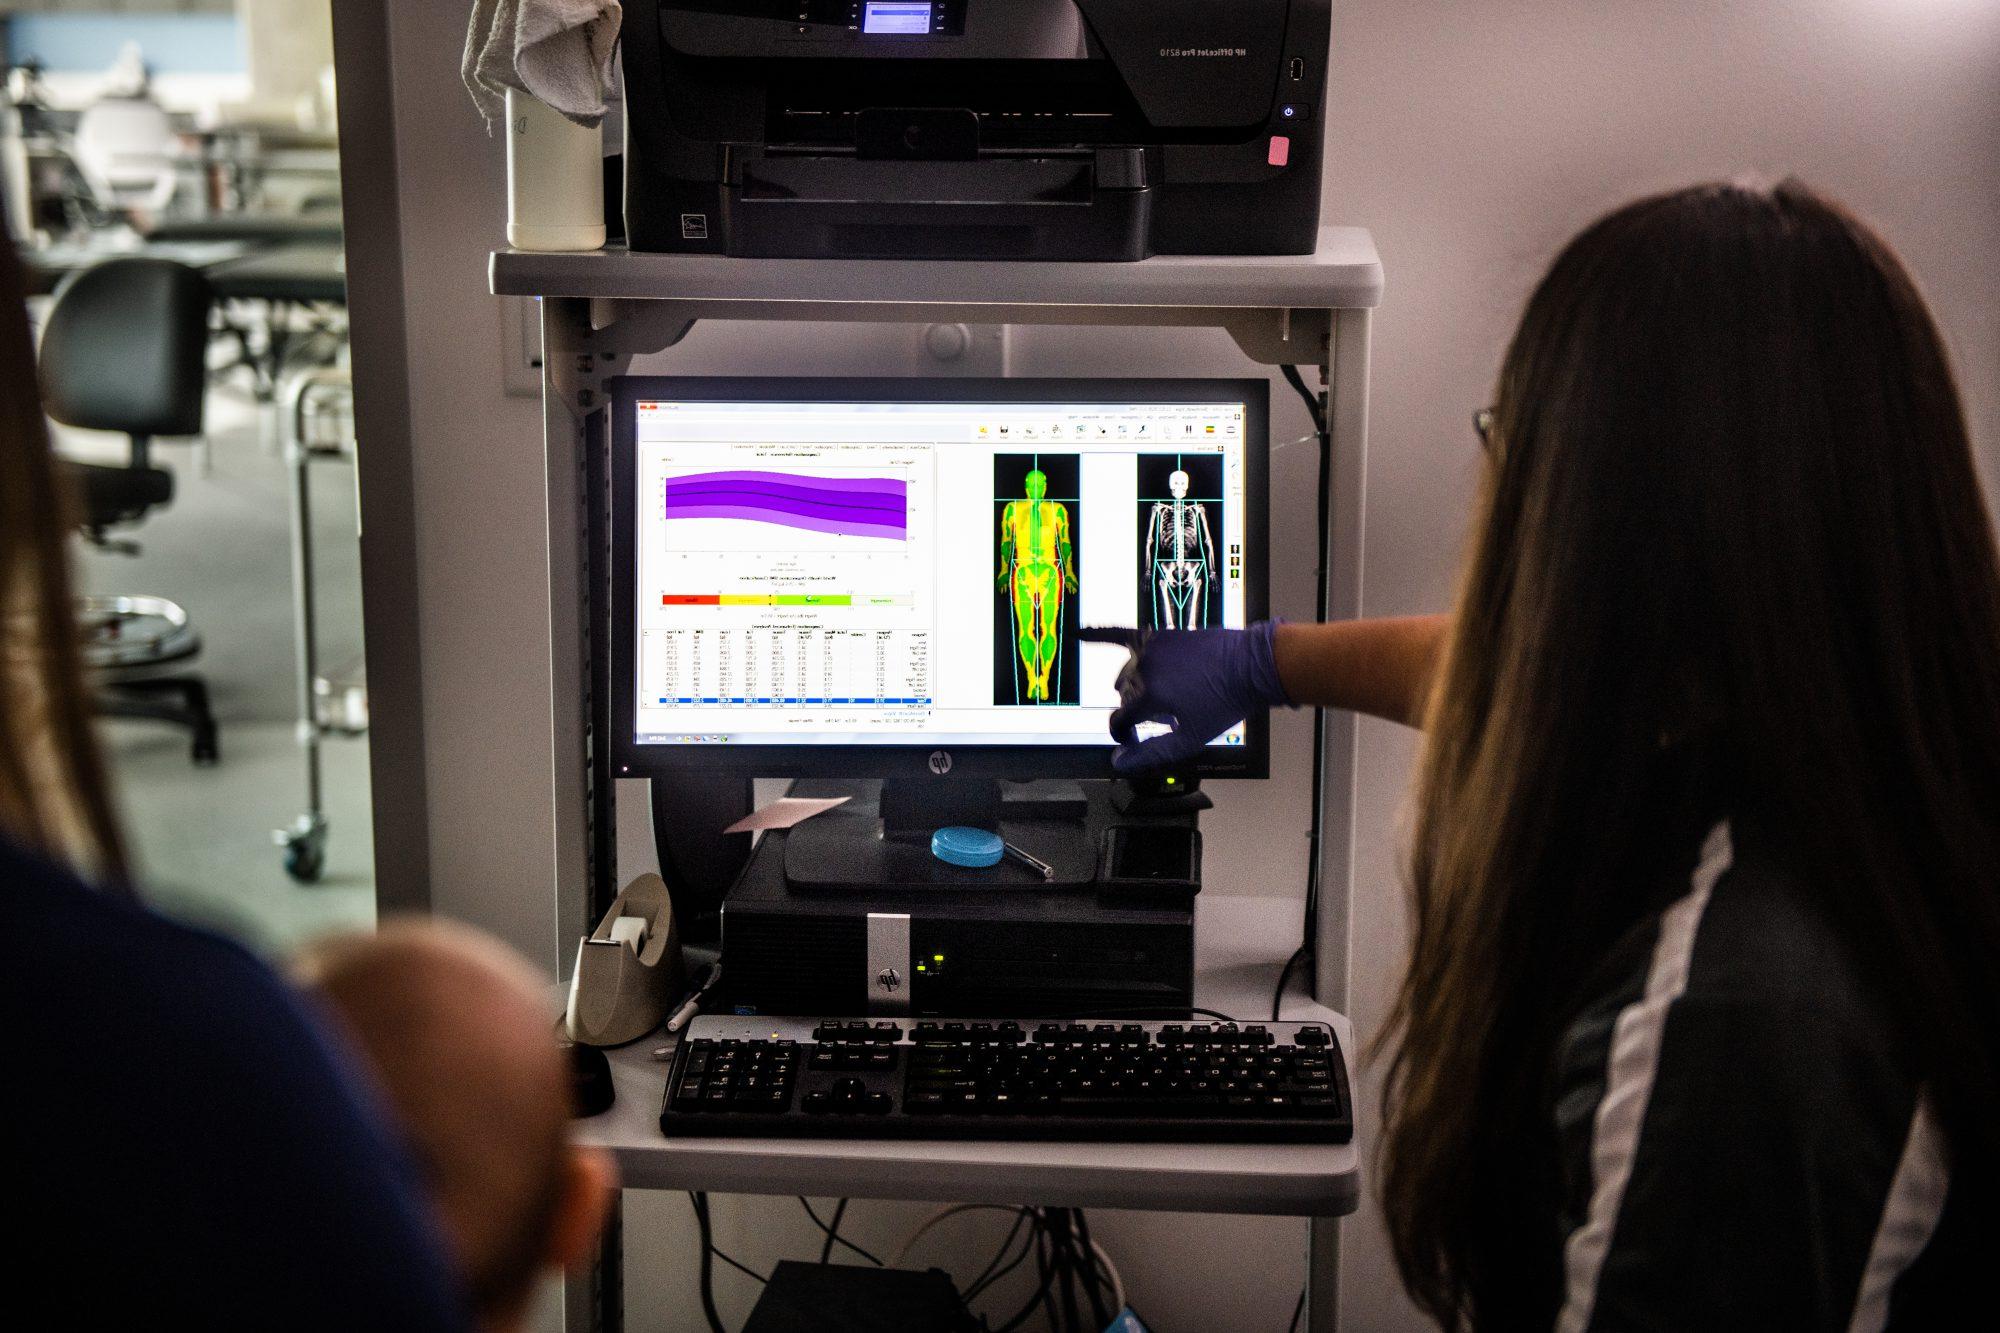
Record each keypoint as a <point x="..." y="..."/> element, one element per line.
<point x="974" y="129"/>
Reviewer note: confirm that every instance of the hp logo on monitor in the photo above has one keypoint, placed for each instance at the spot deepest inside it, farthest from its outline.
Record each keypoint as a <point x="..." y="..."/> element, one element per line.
<point x="940" y="762"/>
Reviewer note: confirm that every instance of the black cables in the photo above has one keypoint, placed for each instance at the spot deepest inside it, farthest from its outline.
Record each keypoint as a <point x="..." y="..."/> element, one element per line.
<point x="1316" y="407"/>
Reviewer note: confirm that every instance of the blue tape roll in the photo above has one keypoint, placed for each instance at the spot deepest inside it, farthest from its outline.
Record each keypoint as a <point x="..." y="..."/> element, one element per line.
<point x="972" y="848"/>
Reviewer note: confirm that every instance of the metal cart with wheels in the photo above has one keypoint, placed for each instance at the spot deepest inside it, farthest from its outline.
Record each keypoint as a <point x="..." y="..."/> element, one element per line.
<point x="317" y="425"/>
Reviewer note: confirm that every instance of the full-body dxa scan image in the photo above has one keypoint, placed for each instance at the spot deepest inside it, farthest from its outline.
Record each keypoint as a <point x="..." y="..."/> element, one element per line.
<point x="1180" y="559"/>
<point x="1038" y="568"/>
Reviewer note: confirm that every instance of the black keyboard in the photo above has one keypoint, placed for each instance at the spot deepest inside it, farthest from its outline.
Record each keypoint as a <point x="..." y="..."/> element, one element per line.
<point x="947" y="1079"/>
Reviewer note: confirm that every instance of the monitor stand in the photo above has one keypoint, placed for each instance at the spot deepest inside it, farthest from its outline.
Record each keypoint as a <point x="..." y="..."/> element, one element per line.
<point x="881" y="839"/>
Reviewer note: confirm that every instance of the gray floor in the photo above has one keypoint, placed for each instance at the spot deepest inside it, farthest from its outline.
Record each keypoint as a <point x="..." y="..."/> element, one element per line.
<point x="202" y="836"/>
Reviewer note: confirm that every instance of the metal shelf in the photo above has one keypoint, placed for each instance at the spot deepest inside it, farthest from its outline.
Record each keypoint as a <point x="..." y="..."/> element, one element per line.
<point x="1344" y="273"/>
<point x="604" y="307"/>
<point x="1280" y="309"/>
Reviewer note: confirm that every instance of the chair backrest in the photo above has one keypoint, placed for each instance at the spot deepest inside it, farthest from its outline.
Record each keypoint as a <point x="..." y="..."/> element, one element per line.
<point x="124" y="348"/>
<point x="126" y="149"/>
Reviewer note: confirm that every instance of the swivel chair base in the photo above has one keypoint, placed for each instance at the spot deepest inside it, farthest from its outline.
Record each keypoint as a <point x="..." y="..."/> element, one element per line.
<point x="126" y="642"/>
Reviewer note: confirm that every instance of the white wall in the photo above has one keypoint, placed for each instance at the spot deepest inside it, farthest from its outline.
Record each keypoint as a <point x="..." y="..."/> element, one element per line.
<point x="1473" y="138"/>
<point x="482" y="557"/>
<point x="287" y="45"/>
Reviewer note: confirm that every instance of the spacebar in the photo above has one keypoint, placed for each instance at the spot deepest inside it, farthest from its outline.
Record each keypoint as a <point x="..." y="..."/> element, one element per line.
<point x="1082" y="1104"/>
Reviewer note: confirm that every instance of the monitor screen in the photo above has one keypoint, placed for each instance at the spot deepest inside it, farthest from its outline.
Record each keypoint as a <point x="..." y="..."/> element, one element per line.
<point x="841" y="566"/>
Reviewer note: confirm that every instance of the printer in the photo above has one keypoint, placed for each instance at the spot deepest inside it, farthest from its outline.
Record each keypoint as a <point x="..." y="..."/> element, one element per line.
<point x="974" y="129"/>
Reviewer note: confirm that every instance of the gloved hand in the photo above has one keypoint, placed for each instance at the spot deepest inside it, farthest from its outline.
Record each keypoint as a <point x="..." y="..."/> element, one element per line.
<point x="1200" y="682"/>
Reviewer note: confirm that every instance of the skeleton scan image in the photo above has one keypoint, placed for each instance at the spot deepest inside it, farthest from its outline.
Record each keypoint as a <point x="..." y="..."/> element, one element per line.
<point x="1181" y="540"/>
<point x="1180" y="558"/>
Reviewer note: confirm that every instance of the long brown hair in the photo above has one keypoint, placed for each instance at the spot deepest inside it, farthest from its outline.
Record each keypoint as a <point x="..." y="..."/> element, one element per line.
<point x="1733" y="561"/>
<point x="53" y="791"/>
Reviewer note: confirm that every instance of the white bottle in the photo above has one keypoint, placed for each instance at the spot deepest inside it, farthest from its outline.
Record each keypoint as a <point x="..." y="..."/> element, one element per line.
<point x="17" y="181"/>
<point x="555" y="179"/>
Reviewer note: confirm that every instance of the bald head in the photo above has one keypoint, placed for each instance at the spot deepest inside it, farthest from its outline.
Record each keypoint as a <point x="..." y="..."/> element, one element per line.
<point x="460" y="1033"/>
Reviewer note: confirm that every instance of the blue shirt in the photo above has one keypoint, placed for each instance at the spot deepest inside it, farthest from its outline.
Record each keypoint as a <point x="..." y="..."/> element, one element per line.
<point x="184" y="1147"/>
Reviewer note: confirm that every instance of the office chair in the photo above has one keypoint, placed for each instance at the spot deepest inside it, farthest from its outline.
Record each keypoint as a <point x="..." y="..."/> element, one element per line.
<point x="126" y="149"/>
<point x="123" y="350"/>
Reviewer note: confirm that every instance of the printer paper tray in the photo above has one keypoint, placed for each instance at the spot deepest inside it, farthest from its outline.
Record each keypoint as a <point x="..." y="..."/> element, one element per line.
<point x="838" y="206"/>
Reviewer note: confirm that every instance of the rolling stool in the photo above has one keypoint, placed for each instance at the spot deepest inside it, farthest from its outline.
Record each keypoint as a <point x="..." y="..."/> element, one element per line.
<point x="123" y="350"/>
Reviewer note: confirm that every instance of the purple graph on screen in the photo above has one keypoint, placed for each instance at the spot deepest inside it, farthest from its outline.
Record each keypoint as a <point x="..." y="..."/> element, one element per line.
<point x="850" y="506"/>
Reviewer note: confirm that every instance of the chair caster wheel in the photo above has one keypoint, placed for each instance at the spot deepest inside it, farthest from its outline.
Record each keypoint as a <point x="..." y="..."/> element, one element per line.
<point x="305" y="849"/>
<point x="304" y="862"/>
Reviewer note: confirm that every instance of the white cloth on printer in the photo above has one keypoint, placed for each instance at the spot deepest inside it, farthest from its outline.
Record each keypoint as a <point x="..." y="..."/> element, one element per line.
<point x="558" y="52"/>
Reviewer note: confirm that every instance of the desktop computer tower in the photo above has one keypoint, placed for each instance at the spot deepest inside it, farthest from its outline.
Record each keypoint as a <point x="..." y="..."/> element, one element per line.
<point x="965" y="953"/>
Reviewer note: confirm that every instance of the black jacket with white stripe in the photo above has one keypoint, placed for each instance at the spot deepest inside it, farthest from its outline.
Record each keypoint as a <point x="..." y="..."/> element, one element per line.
<point x="1743" y="1143"/>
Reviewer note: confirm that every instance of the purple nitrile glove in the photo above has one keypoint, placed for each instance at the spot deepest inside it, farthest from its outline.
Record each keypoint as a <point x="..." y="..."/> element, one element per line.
<point x="1200" y="682"/>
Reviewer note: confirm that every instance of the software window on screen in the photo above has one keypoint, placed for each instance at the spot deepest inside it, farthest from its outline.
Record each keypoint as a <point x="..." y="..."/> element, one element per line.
<point x="879" y="573"/>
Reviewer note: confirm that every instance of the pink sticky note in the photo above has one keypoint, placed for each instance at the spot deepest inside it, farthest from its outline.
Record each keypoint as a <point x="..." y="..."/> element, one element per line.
<point x="785" y="812"/>
<point x="1281" y="150"/>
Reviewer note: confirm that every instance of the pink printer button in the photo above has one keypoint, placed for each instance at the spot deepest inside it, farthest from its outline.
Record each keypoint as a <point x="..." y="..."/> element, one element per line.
<point x="1281" y="150"/>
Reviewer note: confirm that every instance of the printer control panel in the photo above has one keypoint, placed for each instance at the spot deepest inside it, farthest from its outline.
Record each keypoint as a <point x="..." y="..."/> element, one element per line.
<point x="877" y="18"/>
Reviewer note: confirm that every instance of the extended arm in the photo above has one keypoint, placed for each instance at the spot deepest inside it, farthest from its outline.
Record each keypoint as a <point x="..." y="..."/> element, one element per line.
<point x="1208" y="551"/>
<point x="1202" y="682"/>
<point x="1006" y="543"/>
<point x="1381" y="667"/>
<point x="1065" y="554"/>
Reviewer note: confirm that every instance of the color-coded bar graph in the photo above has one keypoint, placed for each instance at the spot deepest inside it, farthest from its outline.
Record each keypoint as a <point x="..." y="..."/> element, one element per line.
<point x="785" y="599"/>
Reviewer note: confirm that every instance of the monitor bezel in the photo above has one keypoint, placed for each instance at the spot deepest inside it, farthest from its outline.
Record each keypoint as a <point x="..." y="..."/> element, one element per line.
<point x="1019" y="762"/>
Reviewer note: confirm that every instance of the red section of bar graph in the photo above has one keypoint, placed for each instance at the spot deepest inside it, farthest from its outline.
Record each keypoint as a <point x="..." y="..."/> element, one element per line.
<point x="691" y="599"/>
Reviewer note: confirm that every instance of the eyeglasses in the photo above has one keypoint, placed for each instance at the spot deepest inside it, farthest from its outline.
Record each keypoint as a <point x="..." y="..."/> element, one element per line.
<point x="1482" y="422"/>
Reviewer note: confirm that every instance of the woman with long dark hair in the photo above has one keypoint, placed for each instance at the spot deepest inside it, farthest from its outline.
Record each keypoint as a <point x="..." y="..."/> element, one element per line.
<point x="185" y="1146"/>
<point x="1701" y="1026"/>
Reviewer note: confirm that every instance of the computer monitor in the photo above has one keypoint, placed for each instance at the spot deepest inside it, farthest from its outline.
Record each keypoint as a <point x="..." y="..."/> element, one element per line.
<point x="880" y="577"/>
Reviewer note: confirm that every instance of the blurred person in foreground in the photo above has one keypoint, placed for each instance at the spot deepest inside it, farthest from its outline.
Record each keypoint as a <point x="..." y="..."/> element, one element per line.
<point x="455" y="1027"/>
<point x="185" y="1148"/>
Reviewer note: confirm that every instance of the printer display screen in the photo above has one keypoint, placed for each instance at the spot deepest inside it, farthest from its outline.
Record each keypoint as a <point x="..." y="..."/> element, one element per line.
<point x="895" y="16"/>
